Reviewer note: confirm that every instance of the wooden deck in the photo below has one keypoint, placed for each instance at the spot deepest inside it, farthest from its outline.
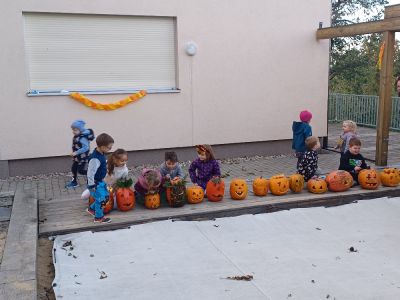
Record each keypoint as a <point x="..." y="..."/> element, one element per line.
<point x="67" y="215"/>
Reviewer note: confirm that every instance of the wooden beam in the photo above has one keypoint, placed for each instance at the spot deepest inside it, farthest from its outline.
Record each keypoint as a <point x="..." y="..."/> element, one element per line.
<point x="391" y="24"/>
<point x="385" y="101"/>
<point x="392" y="11"/>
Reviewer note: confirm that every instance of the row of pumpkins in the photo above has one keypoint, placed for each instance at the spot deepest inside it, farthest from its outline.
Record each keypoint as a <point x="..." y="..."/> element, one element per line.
<point x="178" y="194"/>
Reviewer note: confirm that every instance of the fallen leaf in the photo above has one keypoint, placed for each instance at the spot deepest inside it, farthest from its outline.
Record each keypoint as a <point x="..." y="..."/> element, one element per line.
<point x="103" y="275"/>
<point x="244" y="277"/>
<point x="67" y="243"/>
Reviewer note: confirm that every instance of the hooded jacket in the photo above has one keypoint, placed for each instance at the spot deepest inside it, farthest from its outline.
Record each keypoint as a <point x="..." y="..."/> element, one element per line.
<point x="301" y="131"/>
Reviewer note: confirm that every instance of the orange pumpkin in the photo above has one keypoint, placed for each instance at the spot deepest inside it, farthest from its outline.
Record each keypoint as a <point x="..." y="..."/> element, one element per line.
<point x="368" y="179"/>
<point x="176" y="195"/>
<point x="238" y="189"/>
<point x="215" y="189"/>
<point x="317" y="186"/>
<point x="260" y="186"/>
<point x="109" y="203"/>
<point x="125" y="199"/>
<point x="389" y="177"/>
<point x="339" y="181"/>
<point x="279" y="184"/>
<point x="296" y="183"/>
<point x="152" y="201"/>
<point x="195" y="194"/>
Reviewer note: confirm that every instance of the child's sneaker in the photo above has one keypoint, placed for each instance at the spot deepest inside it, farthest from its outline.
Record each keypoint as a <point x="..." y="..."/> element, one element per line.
<point x="102" y="220"/>
<point x="71" y="185"/>
<point x="90" y="211"/>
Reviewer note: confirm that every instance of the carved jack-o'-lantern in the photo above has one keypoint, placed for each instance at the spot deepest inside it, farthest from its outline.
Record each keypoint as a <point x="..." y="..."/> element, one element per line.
<point x="279" y="185"/>
<point x="317" y="186"/>
<point x="238" y="189"/>
<point x="152" y="201"/>
<point x="296" y="183"/>
<point x="124" y="195"/>
<point x="176" y="193"/>
<point x="125" y="198"/>
<point x="368" y="179"/>
<point x="215" y="189"/>
<point x="260" y="186"/>
<point x="195" y="194"/>
<point x="339" y="181"/>
<point x="389" y="177"/>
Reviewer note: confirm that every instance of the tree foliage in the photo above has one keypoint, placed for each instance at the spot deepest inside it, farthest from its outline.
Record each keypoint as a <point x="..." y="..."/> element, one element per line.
<point x="353" y="66"/>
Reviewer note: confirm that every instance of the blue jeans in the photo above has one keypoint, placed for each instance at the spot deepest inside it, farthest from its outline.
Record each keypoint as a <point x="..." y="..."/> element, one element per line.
<point x="99" y="195"/>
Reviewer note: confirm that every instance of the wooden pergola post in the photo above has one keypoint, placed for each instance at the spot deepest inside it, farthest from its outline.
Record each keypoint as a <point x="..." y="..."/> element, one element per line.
<point x="385" y="101"/>
<point x="389" y="25"/>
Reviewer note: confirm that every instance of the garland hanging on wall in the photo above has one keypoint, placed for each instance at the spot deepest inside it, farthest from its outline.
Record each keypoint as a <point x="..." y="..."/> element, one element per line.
<point x="108" y="106"/>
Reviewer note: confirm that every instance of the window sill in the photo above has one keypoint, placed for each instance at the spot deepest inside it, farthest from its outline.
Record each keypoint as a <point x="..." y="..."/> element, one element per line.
<point x="36" y="93"/>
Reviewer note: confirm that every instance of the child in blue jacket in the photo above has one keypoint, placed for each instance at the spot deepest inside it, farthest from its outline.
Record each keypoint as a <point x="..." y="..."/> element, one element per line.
<point x="301" y="131"/>
<point x="80" y="151"/>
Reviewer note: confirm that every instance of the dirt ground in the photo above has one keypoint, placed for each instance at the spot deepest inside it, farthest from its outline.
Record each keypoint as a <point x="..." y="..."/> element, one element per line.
<point x="45" y="269"/>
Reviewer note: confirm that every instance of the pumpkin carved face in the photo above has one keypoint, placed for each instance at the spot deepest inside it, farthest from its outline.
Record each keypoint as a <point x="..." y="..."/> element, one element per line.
<point x="195" y="194"/>
<point x="238" y="189"/>
<point x="296" y="183"/>
<point x="260" y="186"/>
<point x="339" y="181"/>
<point x="215" y="189"/>
<point x="390" y="177"/>
<point x="279" y="185"/>
<point x="317" y="186"/>
<point x="152" y="201"/>
<point x="368" y="179"/>
<point x="125" y="199"/>
<point x="176" y="195"/>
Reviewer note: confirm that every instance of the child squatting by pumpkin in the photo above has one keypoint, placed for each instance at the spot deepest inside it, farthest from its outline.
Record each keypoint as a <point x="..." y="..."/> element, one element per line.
<point x="149" y="181"/>
<point x="352" y="161"/>
<point x="80" y="151"/>
<point x="97" y="171"/>
<point x="170" y="168"/>
<point x="205" y="167"/>
<point x="308" y="164"/>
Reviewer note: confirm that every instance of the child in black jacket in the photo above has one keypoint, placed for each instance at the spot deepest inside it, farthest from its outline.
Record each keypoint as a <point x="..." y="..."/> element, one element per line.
<point x="352" y="161"/>
<point x="308" y="163"/>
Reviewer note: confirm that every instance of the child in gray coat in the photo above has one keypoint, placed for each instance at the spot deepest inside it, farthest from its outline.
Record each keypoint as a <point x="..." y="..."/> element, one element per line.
<point x="171" y="169"/>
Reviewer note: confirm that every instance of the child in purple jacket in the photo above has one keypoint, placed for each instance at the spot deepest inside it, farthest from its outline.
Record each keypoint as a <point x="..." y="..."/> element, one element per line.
<point x="205" y="167"/>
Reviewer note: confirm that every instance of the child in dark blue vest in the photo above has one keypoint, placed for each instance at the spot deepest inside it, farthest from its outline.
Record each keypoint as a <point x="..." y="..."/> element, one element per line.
<point x="80" y="151"/>
<point x="97" y="170"/>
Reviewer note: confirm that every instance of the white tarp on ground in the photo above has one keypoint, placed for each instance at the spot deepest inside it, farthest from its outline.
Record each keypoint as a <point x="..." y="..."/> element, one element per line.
<point x="296" y="254"/>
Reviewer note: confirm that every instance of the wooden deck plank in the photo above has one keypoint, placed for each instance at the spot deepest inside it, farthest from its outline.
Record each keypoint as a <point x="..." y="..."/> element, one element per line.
<point x="61" y="217"/>
<point x="18" y="267"/>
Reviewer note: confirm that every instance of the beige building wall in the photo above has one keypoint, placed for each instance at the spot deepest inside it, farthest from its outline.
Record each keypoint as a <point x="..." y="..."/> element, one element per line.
<point x="258" y="65"/>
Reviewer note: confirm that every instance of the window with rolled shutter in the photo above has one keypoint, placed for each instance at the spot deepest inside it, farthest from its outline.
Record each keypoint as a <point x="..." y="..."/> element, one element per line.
<point x="95" y="53"/>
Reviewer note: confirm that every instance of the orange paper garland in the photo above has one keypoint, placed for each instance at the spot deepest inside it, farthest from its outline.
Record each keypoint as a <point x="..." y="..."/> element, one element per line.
<point x="108" y="106"/>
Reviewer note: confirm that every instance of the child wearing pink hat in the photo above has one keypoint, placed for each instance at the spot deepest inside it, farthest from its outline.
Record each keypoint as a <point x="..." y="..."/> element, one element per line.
<point x="301" y="131"/>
